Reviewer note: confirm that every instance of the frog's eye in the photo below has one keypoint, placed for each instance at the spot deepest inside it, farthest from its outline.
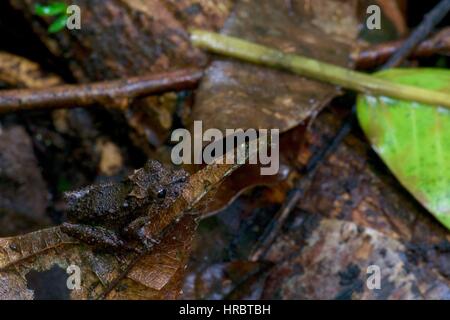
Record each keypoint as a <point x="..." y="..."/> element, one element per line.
<point x="161" y="193"/>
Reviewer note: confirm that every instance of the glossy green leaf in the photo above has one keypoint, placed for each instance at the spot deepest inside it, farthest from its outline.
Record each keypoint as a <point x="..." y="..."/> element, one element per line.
<point x="58" y="24"/>
<point x="52" y="9"/>
<point x="413" y="139"/>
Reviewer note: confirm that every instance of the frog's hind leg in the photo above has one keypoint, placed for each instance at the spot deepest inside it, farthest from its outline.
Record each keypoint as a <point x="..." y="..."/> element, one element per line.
<point x="98" y="237"/>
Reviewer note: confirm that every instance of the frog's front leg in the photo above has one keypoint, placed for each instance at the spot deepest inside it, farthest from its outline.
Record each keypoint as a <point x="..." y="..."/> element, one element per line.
<point x="135" y="230"/>
<point x="98" y="237"/>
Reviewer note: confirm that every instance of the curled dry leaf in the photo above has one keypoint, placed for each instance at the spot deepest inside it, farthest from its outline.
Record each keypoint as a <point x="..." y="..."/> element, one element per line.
<point x="395" y="11"/>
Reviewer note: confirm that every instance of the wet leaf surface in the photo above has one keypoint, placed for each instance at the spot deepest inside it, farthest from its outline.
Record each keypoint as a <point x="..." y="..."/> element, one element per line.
<point x="238" y="95"/>
<point x="412" y="139"/>
<point x="225" y="240"/>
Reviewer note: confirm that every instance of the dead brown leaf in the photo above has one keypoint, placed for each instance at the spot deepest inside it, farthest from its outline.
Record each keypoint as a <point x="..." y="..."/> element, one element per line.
<point x="239" y="95"/>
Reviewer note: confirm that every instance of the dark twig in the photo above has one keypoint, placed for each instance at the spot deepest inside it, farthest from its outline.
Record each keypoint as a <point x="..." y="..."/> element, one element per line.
<point x="376" y="55"/>
<point x="270" y="234"/>
<point x="116" y="93"/>
<point x="123" y="273"/>
<point x="429" y="22"/>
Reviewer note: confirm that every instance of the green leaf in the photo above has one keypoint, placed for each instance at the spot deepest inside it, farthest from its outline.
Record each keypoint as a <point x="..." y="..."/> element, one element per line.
<point x="52" y="9"/>
<point x="413" y="139"/>
<point x="58" y="24"/>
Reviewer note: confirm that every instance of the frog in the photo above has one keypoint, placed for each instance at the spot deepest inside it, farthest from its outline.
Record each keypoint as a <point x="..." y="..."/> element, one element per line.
<point x="103" y="215"/>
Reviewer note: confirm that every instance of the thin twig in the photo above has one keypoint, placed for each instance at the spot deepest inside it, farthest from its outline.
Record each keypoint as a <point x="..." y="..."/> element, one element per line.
<point x="431" y="19"/>
<point x="376" y="55"/>
<point x="117" y="93"/>
<point x="270" y="234"/>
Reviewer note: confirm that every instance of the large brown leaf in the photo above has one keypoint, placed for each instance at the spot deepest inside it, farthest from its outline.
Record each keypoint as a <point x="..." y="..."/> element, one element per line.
<point x="239" y="95"/>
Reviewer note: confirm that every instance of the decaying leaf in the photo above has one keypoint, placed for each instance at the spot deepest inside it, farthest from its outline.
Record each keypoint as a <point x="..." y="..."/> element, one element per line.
<point x="239" y="95"/>
<point x="413" y="139"/>
<point x="111" y="159"/>
<point x="150" y="38"/>
<point x="224" y="241"/>
<point x="208" y="14"/>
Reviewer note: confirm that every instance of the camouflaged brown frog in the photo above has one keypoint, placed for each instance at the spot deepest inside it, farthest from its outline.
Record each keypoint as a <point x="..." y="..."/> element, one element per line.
<point x="103" y="215"/>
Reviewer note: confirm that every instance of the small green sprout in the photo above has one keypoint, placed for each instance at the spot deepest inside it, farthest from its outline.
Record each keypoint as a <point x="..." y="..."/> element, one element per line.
<point x="50" y="10"/>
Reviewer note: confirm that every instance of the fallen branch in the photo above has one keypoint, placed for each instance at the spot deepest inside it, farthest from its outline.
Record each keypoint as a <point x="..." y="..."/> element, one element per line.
<point x="314" y="69"/>
<point x="376" y="55"/>
<point x="116" y="93"/>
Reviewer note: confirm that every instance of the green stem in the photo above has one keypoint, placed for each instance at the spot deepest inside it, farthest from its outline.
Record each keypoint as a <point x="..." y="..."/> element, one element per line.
<point x="346" y="78"/>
